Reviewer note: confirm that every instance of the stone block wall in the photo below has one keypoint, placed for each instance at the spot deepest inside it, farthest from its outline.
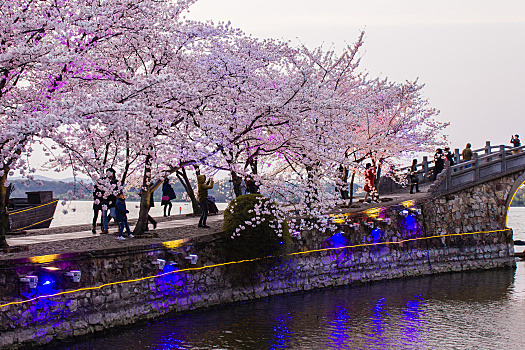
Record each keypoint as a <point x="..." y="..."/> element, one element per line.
<point x="387" y="250"/>
<point x="478" y="208"/>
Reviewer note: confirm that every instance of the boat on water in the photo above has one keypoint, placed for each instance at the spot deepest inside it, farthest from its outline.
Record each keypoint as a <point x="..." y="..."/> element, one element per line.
<point x="35" y="211"/>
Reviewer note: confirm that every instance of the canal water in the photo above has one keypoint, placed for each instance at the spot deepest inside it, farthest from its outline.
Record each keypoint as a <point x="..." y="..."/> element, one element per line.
<point x="469" y="310"/>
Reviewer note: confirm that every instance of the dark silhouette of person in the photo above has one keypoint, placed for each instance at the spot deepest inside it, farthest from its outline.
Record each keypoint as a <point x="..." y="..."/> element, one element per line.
<point x="439" y="162"/>
<point x="414" y="179"/>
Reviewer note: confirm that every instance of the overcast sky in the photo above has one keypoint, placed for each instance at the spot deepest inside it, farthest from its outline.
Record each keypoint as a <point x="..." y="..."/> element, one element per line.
<point x="470" y="54"/>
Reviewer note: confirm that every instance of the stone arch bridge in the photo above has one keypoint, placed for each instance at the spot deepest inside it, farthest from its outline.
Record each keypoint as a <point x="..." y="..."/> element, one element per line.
<point x="471" y="196"/>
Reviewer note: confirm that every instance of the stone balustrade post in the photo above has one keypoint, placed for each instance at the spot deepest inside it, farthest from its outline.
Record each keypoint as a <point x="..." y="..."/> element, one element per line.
<point x="476" y="166"/>
<point x="425" y="169"/>
<point x="448" y="182"/>
<point x="457" y="157"/>
<point x="503" y="158"/>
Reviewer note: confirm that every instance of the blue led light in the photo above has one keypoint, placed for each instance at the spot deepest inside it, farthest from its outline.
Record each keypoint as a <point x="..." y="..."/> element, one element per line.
<point x="338" y="240"/>
<point x="376" y="235"/>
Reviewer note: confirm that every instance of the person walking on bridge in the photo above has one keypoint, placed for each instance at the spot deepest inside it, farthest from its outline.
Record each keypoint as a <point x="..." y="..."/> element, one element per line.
<point x="439" y="162"/>
<point x="467" y="155"/>
<point x="515" y="140"/>
<point x="414" y="179"/>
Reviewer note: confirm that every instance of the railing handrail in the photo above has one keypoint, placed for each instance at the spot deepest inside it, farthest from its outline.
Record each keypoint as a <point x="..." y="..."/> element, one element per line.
<point x="483" y="159"/>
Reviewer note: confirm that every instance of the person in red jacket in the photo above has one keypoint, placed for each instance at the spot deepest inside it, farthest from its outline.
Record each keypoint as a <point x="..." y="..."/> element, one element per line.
<point x="515" y="140"/>
<point x="370" y="178"/>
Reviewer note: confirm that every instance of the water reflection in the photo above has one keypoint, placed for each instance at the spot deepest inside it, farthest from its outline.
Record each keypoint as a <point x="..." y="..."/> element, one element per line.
<point x="462" y="310"/>
<point x="339" y="336"/>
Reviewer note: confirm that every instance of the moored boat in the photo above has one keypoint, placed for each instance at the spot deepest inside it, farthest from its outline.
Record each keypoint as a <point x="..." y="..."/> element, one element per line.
<point x="35" y="211"/>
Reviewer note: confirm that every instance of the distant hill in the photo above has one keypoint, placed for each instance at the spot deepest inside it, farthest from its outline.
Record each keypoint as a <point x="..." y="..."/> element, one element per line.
<point x="61" y="188"/>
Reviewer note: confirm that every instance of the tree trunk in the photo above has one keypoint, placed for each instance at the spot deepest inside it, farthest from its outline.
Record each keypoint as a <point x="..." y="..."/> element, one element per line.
<point x="145" y="193"/>
<point x="183" y="178"/>
<point x="4" y="215"/>
<point x="236" y="181"/>
<point x="351" y="189"/>
<point x="142" y="221"/>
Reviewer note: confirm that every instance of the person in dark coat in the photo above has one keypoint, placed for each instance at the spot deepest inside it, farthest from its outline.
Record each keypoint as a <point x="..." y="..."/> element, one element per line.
<point x="168" y="194"/>
<point x="439" y="162"/>
<point x="414" y="179"/>
<point x="202" y="195"/>
<point x="97" y="207"/>
<point x="121" y="216"/>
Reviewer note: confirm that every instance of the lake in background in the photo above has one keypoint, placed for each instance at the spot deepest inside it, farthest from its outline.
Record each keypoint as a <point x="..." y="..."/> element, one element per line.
<point x="81" y="212"/>
<point x="466" y="310"/>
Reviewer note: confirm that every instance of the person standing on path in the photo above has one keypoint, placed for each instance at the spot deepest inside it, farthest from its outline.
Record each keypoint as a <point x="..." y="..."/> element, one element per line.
<point x="202" y="194"/>
<point x="515" y="140"/>
<point x="370" y="177"/>
<point x="121" y="217"/>
<point x="168" y="194"/>
<point x="109" y="202"/>
<point x="467" y="155"/>
<point x="97" y="207"/>
<point x="414" y="179"/>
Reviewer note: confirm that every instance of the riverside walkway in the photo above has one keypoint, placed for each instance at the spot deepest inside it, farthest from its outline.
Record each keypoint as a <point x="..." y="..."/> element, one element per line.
<point x="53" y="237"/>
<point x="488" y="164"/>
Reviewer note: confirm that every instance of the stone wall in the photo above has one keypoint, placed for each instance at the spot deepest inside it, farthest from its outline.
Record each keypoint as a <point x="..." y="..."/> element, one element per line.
<point x="387" y="250"/>
<point x="479" y="208"/>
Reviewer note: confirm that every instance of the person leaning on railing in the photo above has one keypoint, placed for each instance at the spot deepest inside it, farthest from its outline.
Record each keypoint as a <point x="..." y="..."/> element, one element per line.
<point x="515" y="140"/>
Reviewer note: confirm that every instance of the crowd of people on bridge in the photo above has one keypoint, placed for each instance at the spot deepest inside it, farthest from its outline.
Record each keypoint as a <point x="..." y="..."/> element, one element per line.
<point x="445" y="155"/>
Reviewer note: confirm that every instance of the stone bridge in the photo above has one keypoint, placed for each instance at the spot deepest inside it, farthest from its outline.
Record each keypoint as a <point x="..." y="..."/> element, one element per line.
<point x="470" y="196"/>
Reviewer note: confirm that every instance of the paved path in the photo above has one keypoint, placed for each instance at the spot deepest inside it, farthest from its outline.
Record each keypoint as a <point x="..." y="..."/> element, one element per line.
<point x="86" y="234"/>
<point x="55" y="237"/>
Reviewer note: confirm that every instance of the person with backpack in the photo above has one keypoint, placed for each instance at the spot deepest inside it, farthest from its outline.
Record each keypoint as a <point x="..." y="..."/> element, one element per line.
<point x="168" y="194"/>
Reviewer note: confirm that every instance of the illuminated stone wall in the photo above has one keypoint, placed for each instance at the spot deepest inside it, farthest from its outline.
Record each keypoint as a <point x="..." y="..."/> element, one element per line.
<point x="388" y="243"/>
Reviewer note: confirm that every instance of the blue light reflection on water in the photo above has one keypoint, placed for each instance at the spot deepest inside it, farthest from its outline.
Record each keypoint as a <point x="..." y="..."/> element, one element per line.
<point x="411" y="324"/>
<point x="425" y="313"/>
<point x="282" y="333"/>
<point x="338" y="328"/>
<point x="377" y="326"/>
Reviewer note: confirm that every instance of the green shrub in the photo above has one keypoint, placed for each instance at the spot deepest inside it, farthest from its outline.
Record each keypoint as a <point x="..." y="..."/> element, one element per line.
<point x="252" y="242"/>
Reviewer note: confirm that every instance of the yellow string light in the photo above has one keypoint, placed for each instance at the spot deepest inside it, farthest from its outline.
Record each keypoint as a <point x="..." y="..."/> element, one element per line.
<point x="242" y="261"/>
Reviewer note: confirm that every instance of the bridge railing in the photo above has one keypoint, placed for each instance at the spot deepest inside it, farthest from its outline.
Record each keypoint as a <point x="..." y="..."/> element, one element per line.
<point x="496" y="160"/>
<point x="486" y="162"/>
